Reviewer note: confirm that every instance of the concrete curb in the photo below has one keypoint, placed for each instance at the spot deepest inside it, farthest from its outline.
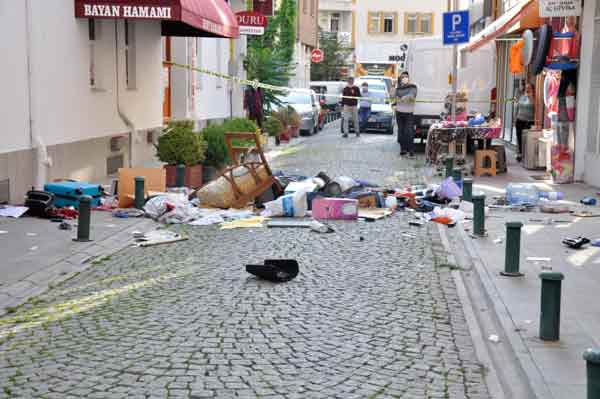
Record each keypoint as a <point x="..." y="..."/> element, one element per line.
<point x="535" y="379"/>
<point x="39" y="282"/>
<point x="479" y="341"/>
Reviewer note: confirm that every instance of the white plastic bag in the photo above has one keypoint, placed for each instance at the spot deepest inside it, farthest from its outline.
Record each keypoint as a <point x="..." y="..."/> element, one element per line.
<point x="291" y="205"/>
<point x="449" y="189"/>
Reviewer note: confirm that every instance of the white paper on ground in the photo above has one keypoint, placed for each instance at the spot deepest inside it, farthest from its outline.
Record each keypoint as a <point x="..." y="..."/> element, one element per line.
<point x="13" y="211"/>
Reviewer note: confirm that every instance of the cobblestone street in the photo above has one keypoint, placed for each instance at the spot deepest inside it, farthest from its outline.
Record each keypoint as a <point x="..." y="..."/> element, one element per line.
<point x="373" y="314"/>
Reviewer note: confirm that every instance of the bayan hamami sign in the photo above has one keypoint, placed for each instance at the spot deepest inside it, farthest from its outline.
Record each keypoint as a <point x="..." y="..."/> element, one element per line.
<point x="126" y="11"/>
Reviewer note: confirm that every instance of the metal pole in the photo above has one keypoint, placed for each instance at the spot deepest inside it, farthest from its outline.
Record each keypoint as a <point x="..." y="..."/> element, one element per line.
<point x="468" y="189"/>
<point x="550" y="306"/>
<point x="479" y="215"/>
<point x="180" y="176"/>
<point x="139" y="198"/>
<point x="454" y="72"/>
<point x="512" y="258"/>
<point x="83" y="222"/>
<point x="592" y="358"/>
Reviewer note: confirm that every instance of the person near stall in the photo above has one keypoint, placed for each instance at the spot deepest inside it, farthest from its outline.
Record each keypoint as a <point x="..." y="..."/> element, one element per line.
<point x="406" y="95"/>
<point x="525" y="116"/>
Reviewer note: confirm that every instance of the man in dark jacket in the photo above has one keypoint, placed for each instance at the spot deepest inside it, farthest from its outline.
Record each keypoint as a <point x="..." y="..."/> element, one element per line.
<point x="350" y="107"/>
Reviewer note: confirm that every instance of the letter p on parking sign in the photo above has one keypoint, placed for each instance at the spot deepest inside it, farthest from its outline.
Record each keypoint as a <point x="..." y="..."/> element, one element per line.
<point x="456" y="27"/>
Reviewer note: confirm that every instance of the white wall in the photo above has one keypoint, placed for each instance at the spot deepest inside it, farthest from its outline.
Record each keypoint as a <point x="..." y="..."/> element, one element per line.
<point x="587" y="157"/>
<point x="65" y="108"/>
<point x="14" y="96"/>
<point x="378" y="47"/>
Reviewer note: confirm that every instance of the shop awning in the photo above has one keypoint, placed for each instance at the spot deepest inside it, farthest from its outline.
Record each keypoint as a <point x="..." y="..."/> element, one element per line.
<point x="190" y="18"/>
<point x="504" y="24"/>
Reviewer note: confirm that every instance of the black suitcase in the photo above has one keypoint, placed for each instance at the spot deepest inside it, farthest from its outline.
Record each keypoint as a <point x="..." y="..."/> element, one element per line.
<point x="39" y="202"/>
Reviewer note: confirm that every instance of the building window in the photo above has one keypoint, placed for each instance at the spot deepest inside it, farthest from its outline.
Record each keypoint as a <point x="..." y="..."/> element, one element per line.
<point x="334" y="23"/>
<point x="418" y="23"/>
<point x="93" y="37"/>
<point x="383" y="22"/>
<point x="130" y="58"/>
<point x="389" y="23"/>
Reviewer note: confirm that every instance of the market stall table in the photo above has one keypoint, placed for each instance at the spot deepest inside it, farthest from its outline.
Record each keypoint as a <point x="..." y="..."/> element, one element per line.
<point x="440" y="136"/>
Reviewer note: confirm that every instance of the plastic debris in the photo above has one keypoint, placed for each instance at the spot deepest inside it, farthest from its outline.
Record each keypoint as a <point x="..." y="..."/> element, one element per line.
<point x="576" y="243"/>
<point x="12" y="211"/>
<point x="596" y="243"/>
<point x="34" y="248"/>
<point x="538" y="259"/>
<point x="31" y="234"/>
<point x="275" y="270"/>
<point x="256" y="221"/>
<point x="591" y="201"/>
<point x="157" y="237"/>
<point x="3" y="232"/>
<point x="494" y="338"/>
<point x="498" y="241"/>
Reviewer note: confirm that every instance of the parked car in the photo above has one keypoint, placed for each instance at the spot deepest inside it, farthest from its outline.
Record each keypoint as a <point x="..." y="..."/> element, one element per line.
<point x="373" y="84"/>
<point x="320" y="102"/>
<point x="331" y="90"/>
<point x="389" y="83"/>
<point x="307" y="105"/>
<point x="382" y="117"/>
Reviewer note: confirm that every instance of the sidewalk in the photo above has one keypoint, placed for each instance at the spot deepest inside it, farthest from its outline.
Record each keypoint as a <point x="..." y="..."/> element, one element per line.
<point x="36" y="254"/>
<point x="554" y="369"/>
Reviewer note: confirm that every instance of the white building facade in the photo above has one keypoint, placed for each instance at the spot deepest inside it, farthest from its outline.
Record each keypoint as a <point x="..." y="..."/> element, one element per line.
<point x="200" y="96"/>
<point x="82" y="88"/>
<point x="587" y="142"/>
<point x="384" y="27"/>
<point x="71" y="98"/>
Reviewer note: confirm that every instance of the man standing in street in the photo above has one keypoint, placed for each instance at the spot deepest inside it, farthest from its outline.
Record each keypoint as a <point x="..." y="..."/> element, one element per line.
<point x="350" y="107"/>
<point x="406" y="95"/>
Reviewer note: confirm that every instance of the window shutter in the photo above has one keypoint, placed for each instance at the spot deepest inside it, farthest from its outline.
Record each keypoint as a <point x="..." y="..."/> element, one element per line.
<point x="431" y="25"/>
<point x="371" y="28"/>
<point x="405" y="22"/>
<point x="381" y="22"/>
<point x="396" y="23"/>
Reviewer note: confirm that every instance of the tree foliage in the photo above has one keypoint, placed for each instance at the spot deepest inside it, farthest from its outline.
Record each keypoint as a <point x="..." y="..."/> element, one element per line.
<point x="336" y="56"/>
<point x="270" y="56"/>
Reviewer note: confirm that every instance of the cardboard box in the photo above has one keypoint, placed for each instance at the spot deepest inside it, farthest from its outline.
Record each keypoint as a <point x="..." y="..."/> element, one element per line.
<point x="335" y="209"/>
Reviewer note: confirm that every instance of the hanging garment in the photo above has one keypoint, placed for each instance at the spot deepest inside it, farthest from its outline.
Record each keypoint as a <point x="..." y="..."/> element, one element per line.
<point x="516" y="57"/>
<point x="551" y="84"/>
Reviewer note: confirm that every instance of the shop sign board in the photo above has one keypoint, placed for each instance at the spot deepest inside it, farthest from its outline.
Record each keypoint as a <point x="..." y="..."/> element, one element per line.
<point x="115" y="10"/>
<point x="456" y="27"/>
<point x="560" y="8"/>
<point x="251" y="23"/>
<point x="317" y="56"/>
<point x="265" y="7"/>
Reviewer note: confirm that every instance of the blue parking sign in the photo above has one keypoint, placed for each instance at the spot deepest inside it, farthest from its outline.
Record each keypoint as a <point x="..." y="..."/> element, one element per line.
<point x="456" y="27"/>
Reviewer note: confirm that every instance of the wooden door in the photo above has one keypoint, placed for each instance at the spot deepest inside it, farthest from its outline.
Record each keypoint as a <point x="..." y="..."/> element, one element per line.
<point x="166" y="80"/>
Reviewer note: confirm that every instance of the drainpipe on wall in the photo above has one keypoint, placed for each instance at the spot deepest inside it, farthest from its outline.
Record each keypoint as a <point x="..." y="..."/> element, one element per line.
<point x="41" y="161"/>
<point x="126" y="120"/>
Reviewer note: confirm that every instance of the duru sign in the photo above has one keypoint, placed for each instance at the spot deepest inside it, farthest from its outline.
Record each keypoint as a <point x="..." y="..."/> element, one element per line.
<point x="125" y="11"/>
<point x="251" y="23"/>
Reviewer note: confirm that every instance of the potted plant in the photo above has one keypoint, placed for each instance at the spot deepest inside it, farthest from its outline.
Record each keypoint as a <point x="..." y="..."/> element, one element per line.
<point x="217" y="154"/>
<point x="295" y="121"/>
<point x="181" y="145"/>
<point x="282" y="116"/>
<point x="273" y="128"/>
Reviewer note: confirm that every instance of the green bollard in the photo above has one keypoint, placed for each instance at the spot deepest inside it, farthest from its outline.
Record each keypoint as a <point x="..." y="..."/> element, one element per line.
<point x="513" y="250"/>
<point x="180" y="176"/>
<point x="468" y="189"/>
<point x="139" y="192"/>
<point x="479" y="215"/>
<point x="592" y="358"/>
<point x="83" y="221"/>
<point x="550" y="306"/>
<point x="457" y="175"/>
<point x="449" y="166"/>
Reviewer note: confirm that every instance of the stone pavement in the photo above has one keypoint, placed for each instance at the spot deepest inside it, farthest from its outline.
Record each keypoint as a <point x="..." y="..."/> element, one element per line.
<point x="373" y="313"/>
<point x="554" y="369"/>
<point x="36" y="254"/>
